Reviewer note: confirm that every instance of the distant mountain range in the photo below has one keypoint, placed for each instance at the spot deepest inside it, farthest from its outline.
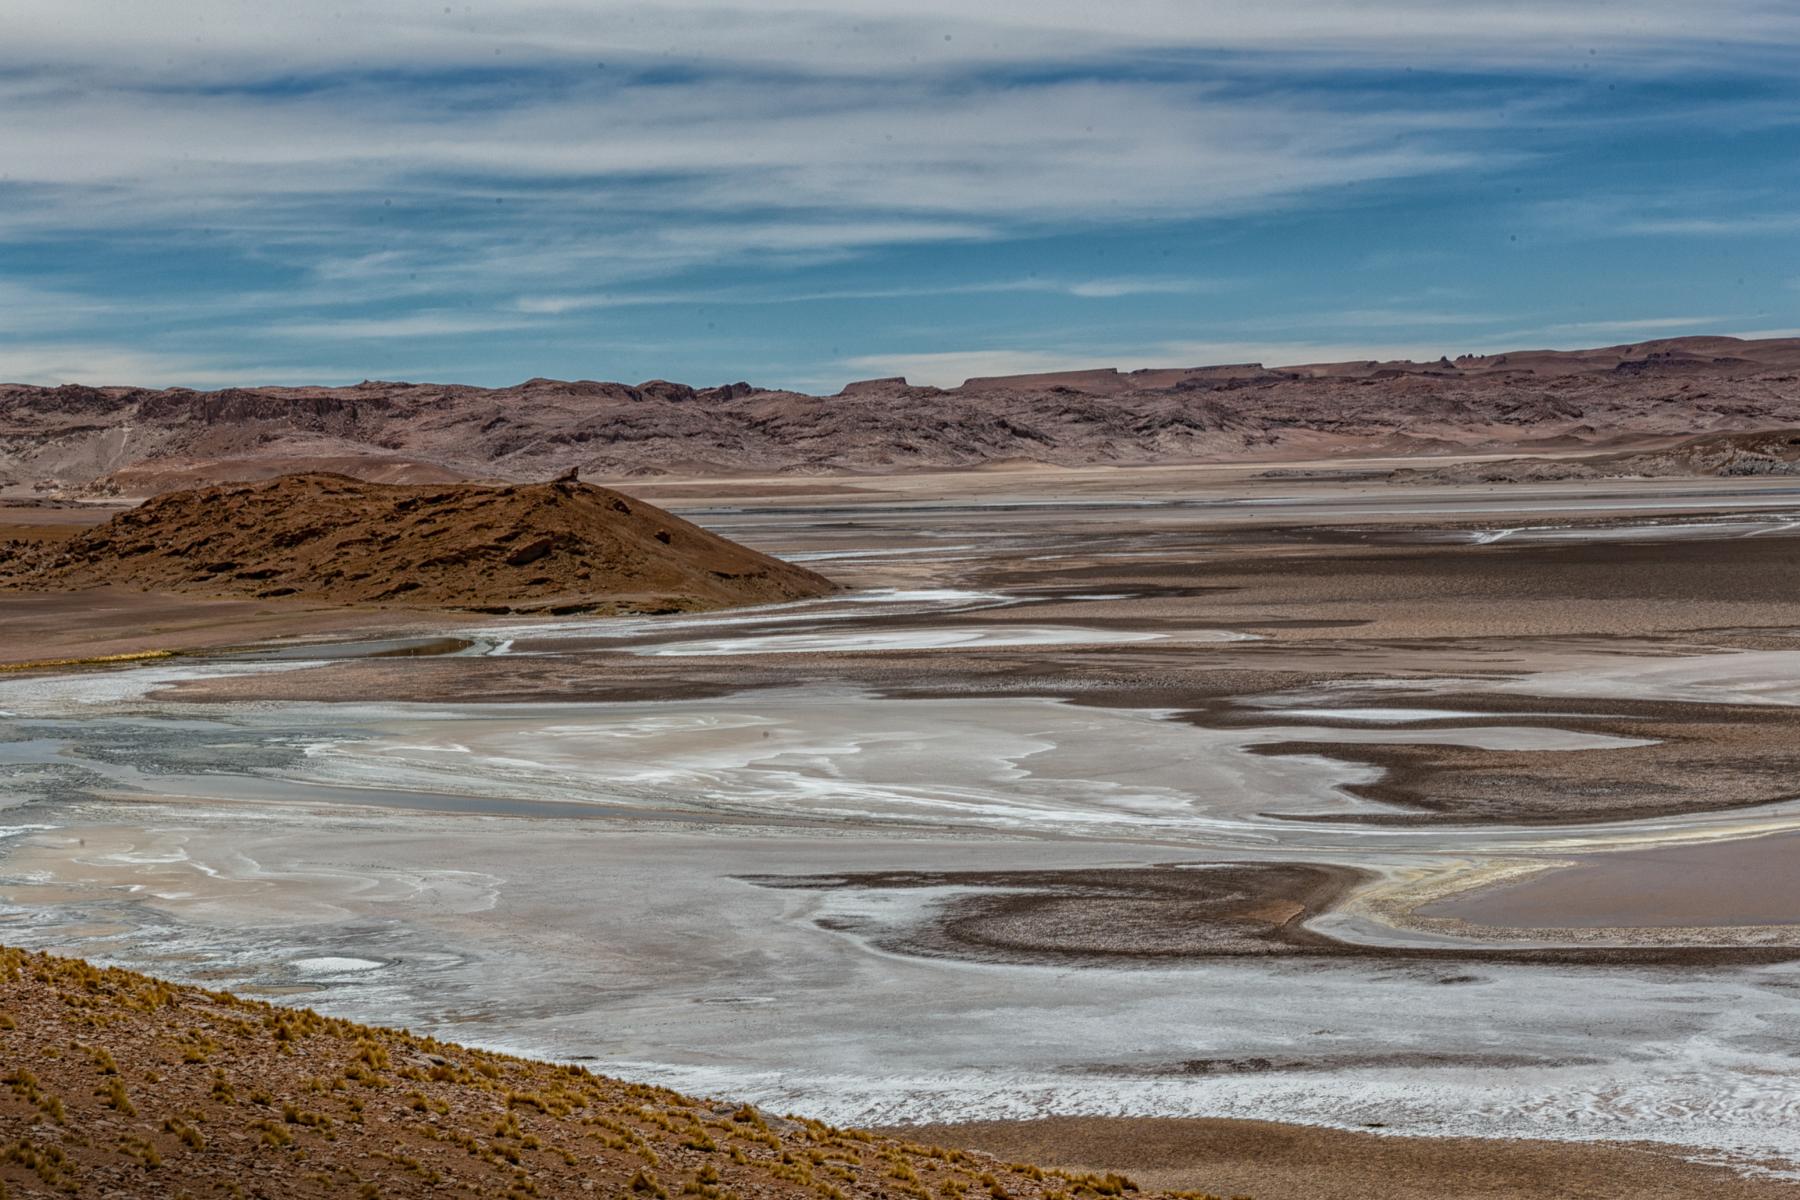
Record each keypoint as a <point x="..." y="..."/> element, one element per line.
<point x="78" y="440"/>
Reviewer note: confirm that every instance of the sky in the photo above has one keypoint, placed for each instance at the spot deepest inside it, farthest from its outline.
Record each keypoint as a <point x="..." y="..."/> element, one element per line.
<point x="800" y="193"/>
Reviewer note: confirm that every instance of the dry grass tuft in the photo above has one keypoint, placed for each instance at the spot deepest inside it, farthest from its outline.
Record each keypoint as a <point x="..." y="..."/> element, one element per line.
<point x="138" y="1087"/>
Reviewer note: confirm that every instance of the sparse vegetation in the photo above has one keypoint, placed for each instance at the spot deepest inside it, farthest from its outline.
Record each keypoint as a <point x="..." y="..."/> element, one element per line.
<point x="287" y="1102"/>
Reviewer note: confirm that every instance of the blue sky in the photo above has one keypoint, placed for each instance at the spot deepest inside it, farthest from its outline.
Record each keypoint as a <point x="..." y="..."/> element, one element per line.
<point x="804" y="192"/>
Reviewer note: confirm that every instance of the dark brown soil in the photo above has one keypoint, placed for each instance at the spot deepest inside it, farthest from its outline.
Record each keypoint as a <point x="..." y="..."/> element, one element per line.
<point x="1700" y="756"/>
<point x="1169" y="913"/>
<point x="1266" y="580"/>
<point x="97" y="625"/>
<point x="1293" y="1162"/>
<point x="1132" y="914"/>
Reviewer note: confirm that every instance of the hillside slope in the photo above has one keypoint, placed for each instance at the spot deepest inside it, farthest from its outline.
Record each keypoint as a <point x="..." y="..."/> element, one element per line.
<point x="556" y="547"/>
<point x="136" y="441"/>
<point x="117" y="1084"/>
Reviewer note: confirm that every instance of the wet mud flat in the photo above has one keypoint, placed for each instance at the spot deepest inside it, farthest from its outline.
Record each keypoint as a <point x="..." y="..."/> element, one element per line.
<point x="1184" y="912"/>
<point x="1173" y="912"/>
<point x="1064" y="794"/>
<point x="1670" y="757"/>
<point x="1741" y="883"/>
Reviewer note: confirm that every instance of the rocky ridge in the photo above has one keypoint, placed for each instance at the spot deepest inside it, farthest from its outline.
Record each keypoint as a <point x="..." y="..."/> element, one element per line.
<point x="76" y="440"/>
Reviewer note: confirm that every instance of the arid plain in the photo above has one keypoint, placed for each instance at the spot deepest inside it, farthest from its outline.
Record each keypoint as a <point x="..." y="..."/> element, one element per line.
<point x="1259" y="792"/>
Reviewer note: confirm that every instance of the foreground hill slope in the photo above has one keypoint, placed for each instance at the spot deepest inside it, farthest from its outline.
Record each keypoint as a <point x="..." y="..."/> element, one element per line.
<point x="138" y="441"/>
<point x="556" y="547"/>
<point x="117" y="1084"/>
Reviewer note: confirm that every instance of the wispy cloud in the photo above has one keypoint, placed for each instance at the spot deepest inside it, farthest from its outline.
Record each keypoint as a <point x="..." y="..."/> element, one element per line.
<point x="417" y="325"/>
<point x="1090" y="289"/>
<point x="218" y="40"/>
<point x="58" y="363"/>
<point x="213" y="187"/>
<point x="32" y="309"/>
<point x="1683" y="212"/>
<point x="1111" y="289"/>
<point x="1641" y="325"/>
<point x="951" y="368"/>
<point x="1735" y="225"/>
<point x="689" y="171"/>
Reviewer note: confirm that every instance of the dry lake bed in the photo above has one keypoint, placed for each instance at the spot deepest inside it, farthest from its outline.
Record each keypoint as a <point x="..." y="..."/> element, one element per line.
<point x="1166" y="792"/>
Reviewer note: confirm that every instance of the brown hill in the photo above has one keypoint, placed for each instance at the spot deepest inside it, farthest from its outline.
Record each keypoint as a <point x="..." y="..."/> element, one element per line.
<point x="136" y="441"/>
<point x="548" y="547"/>
<point x="122" y="1085"/>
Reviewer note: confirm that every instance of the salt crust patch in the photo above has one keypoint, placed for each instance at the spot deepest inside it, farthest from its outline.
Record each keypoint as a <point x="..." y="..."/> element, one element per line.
<point x="329" y="965"/>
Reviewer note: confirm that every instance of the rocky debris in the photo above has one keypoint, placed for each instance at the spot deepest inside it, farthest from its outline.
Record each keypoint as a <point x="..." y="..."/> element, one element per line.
<point x="68" y="440"/>
<point x="553" y="547"/>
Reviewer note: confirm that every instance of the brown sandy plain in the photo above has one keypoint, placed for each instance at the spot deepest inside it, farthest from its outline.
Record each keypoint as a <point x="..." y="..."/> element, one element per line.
<point x="1264" y="1159"/>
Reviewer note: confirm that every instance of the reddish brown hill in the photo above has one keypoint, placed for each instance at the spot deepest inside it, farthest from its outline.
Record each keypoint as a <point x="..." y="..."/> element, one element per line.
<point x="134" y="442"/>
<point x="558" y="547"/>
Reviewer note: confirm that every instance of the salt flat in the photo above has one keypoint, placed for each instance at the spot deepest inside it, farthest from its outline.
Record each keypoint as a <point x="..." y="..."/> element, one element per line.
<point x="680" y="847"/>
